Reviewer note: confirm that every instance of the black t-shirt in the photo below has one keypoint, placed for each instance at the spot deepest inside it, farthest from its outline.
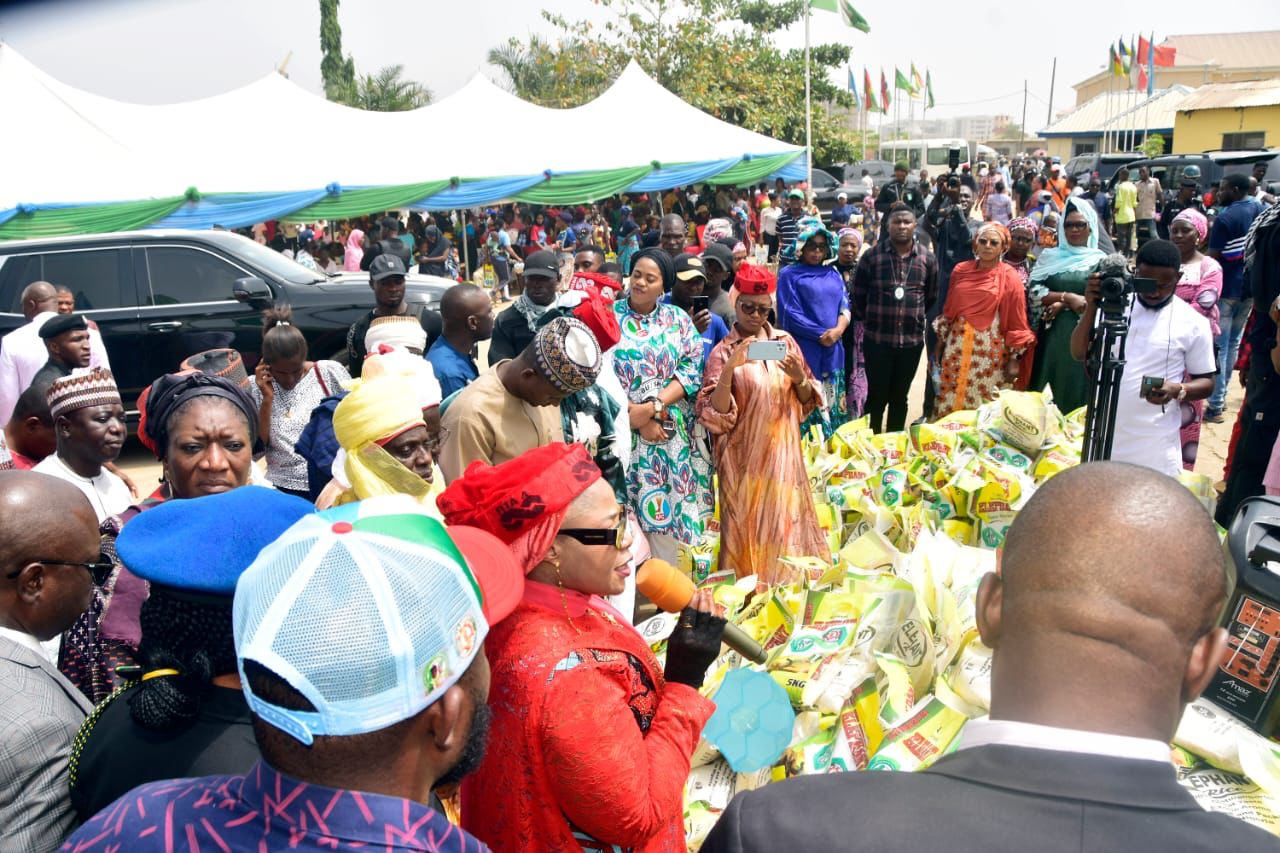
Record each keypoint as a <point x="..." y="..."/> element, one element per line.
<point x="431" y="324"/>
<point x="119" y="754"/>
<point x="894" y="192"/>
<point x="395" y="245"/>
<point x="436" y="267"/>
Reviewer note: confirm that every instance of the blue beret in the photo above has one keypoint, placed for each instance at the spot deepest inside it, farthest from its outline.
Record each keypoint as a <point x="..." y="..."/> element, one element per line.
<point x="204" y="544"/>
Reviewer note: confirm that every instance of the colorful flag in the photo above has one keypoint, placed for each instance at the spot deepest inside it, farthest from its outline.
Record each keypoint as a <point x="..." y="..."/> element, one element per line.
<point x="884" y="92"/>
<point x="869" y="95"/>
<point x="1124" y="58"/>
<point x="928" y="87"/>
<point x="917" y="83"/>
<point x="900" y="81"/>
<point x="1143" y="81"/>
<point x="1117" y="70"/>
<point x="845" y="9"/>
<point x="853" y="88"/>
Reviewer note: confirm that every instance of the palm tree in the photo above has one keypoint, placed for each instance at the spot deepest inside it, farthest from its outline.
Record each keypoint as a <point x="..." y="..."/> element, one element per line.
<point x="387" y="91"/>
<point x="529" y="76"/>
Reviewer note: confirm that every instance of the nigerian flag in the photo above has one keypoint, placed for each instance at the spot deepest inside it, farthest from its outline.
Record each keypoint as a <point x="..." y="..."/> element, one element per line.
<point x="845" y="9"/>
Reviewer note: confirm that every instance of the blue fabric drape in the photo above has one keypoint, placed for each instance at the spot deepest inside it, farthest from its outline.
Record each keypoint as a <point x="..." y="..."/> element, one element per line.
<point x="476" y="193"/>
<point x="236" y="210"/>
<point x="682" y="175"/>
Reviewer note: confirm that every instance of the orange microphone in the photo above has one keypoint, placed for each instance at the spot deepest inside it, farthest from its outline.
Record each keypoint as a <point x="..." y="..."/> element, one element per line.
<point x="671" y="591"/>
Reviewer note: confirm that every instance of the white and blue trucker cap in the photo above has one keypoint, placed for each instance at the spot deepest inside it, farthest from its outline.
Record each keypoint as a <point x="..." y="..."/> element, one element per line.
<point x="371" y="611"/>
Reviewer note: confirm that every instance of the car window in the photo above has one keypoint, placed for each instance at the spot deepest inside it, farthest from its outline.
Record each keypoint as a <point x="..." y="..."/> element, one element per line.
<point x="184" y="274"/>
<point x="92" y="274"/>
<point x="16" y="272"/>
<point x="823" y="181"/>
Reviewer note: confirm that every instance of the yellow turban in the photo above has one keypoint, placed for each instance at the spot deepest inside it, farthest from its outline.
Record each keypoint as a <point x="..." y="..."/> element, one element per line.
<point x="376" y="411"/>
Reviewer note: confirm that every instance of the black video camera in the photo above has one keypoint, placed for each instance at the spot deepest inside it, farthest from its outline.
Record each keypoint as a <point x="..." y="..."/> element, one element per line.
<point x="1118" y="283"/>
<point x="953" y="163"/>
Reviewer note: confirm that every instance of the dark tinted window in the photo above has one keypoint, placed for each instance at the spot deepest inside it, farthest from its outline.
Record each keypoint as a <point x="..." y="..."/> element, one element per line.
<point x="184" y="274"/>
<point x="16" y="272"/>
<point x="823" y="181"/>
<point x="94" y="276"/>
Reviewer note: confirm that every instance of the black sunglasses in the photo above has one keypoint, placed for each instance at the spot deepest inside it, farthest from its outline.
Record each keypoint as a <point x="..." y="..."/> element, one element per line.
<point x="614" y="536"/>
<point x="100" y="570"/>
<point x="752" y="308"/>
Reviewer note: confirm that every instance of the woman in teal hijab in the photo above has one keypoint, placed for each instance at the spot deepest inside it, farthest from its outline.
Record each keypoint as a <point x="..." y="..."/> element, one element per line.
<point x="1057" y="284"/>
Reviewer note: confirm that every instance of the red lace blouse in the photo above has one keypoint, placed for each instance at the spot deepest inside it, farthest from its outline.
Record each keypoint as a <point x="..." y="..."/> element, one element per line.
<point x="590" y="747"/>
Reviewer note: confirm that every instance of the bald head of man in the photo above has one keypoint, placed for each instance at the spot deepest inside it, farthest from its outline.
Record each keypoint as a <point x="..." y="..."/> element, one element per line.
<point x="467" y="315"/>
<point x="48" y="534"/>
<point x="1104" y="615"/>
<point x="39" y="297"/>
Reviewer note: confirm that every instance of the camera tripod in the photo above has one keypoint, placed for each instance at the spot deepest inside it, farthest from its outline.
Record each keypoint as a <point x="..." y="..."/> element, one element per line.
<point x="1105" y="366"/>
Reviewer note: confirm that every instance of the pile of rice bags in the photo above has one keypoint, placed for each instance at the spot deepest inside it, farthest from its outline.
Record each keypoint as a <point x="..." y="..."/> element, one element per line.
<point x="879" y="652"/>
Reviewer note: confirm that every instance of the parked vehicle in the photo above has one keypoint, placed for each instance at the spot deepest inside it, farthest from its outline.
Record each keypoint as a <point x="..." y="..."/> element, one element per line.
<point x="1169" y="170"/>
<point x="826" y="188"/>
<point x="161" y="296"/>
<point x="931" y="154"/>
<point x="1101" y="166"/>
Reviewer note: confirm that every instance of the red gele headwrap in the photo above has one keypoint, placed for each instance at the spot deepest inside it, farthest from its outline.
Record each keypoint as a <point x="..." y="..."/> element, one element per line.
<point x="523" y="501"/>
<point x="597" y="314"/>
<point x="755" y="280"/>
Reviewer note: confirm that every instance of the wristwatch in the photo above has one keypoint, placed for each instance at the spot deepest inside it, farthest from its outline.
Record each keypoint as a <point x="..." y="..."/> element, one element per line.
<point x="657" y="407"/>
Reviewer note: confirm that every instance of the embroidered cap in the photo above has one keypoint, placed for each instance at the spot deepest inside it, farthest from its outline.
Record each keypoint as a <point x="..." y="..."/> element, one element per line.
<point x="567" y="354"/>
<point x="96" y="387"/>
<point x="371" y="610"/>
<point x="401" y="330"/>
<point x="755" y="280"/>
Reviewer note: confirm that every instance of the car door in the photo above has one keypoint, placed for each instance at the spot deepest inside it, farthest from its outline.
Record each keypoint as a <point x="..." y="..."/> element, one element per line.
<point x="101" y="280"/>
<point x="188" y="306"/>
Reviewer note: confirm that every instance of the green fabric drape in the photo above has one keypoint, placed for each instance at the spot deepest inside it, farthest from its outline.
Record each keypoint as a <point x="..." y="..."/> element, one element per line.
<point x="350" y="203"/>
<point x="89" y="219"/>
<point x="583" y="186"/>
<point x="754" y="170"/>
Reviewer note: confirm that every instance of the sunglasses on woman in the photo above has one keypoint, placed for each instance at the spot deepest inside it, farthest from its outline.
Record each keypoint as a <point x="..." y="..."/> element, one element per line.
<point x="614" y="536"/>
<point x="989" y="242"/>
<point x="100" y="570"/>
<point x="748" y="308"/>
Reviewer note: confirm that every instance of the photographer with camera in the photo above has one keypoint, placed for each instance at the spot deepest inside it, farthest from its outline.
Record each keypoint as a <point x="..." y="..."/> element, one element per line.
<point x="1167" y="342"/>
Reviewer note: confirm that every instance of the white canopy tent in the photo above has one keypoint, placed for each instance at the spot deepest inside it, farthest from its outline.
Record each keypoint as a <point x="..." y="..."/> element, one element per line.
<point x="67" y="146"/>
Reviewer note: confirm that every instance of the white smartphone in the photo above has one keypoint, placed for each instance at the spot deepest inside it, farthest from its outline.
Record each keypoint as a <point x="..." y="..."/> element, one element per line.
<point x="766" y="350"/>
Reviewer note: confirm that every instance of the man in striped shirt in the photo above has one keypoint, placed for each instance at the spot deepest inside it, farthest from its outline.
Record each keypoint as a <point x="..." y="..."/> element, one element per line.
<point x="789" y="225"/>
<point x="1226" y="246"/>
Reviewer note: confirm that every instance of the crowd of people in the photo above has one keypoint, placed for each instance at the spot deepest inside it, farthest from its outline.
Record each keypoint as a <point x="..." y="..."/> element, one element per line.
<point x="354" y="575"/>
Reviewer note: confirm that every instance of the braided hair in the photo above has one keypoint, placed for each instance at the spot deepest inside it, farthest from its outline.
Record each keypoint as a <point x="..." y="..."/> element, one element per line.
<point x="192" y="637"/>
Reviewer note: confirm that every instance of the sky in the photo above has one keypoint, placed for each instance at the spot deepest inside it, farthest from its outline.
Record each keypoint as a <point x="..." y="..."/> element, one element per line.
<point x="158" y="51"/>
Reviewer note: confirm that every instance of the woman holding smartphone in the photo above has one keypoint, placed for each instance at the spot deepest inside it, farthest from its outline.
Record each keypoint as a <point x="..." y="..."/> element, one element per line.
<point x="757" y="390"/>
<point x="659" y="363"/>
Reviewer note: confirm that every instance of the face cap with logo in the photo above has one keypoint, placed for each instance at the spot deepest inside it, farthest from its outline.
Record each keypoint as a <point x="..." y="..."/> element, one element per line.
<point x="371" y="611"/>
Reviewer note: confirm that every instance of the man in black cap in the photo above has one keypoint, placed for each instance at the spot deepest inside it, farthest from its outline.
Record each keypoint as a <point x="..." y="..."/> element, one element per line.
<point x="691" y="282"/>
<point x="1188" y="197"/>
<point x="386" y="278"/>
<point x="717" y="260"/>
<point x="515" y="327"/>
<point x="66" y="338"/>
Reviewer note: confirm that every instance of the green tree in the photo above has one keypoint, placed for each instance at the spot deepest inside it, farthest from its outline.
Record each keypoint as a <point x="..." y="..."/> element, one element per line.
<point x="718" y="55"/>
<point x="337" y="72"/>
<point x="1153" y="146"/>
<point x="387" y="91"/>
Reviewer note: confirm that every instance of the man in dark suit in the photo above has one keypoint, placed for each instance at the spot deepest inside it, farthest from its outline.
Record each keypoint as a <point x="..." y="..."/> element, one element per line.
<point x="1102" y="629"/>
<point x="48" y="543"/>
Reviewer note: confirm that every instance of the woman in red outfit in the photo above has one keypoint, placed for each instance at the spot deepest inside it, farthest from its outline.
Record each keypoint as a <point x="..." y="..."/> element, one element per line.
<point x="591" y="739"/>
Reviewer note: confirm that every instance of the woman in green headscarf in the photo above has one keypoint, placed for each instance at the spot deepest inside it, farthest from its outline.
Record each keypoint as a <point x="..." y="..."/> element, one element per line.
<point x="1057" y="283"/>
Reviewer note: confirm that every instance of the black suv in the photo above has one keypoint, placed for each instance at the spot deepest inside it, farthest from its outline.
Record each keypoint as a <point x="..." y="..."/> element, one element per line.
<point x="161" y="296"/>
<point x="1212" y="165"/>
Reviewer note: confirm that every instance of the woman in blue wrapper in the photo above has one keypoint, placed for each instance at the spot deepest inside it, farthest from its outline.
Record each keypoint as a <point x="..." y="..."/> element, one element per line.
<point x="813" y="306"/>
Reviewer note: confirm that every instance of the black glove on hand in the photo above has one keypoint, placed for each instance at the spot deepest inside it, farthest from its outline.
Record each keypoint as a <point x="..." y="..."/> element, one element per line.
<point x="693" y="645"/>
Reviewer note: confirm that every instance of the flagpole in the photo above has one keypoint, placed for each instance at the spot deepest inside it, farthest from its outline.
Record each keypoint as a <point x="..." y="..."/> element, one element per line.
<point x="808" y="113"/>
<point x="1151" y="85"/>
<point x="1107" y="128"/>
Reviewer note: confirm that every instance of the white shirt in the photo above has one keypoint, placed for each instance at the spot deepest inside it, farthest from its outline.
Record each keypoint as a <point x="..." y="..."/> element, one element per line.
<point x="769" y="219"/>
<point x="869" y="182"/>
<point x="988" y="732"/>
<point x="1166" y="343"/>
<point x="106" y="492"/>
<point x="23" y="353"/>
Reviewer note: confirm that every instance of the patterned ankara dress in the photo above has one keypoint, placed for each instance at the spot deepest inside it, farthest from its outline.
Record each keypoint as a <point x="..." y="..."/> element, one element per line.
<point x="668" y="484"/>
<point x="766" y="503"/>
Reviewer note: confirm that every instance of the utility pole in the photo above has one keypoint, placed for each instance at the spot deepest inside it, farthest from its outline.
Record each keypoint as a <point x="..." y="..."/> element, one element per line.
<point x="1022" y="127"/>
<point x="1053" y="79"/>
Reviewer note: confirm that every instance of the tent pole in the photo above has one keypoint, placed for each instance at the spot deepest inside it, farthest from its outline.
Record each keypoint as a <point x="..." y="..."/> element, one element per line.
<point x="808" y="114"/>
<point x="466" y="264"/>
<point x="1022" y="133"/>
